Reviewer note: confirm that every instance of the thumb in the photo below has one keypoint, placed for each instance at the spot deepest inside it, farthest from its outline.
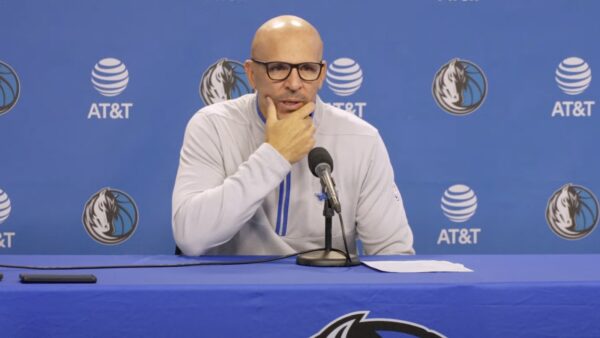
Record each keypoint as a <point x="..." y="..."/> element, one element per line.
<point x="271" y="110"/>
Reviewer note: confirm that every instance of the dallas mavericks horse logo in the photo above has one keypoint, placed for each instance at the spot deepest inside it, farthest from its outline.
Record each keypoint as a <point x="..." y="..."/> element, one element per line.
<point x="110" y="216"/>
<point x="355" y="325"/>
<point x="9" y="88"/>
<point x="459" y="87"/>
<point x="572" y="212"/>
<point x="222" y="81"/>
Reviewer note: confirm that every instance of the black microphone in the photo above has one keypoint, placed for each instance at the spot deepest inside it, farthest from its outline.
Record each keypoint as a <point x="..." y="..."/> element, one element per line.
<point x="321" y="165"/>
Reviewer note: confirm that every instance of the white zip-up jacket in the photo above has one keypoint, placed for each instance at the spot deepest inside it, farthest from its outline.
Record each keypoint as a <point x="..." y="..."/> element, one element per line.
<point x="236" y="195"/>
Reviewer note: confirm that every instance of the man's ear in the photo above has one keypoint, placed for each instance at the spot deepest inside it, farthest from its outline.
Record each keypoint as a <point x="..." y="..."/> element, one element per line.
<point x="249" y="73"/>
<point x="323" y="74"/>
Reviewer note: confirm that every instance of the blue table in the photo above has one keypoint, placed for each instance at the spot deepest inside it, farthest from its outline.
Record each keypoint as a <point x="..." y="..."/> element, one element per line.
<point x="505" y="296"/>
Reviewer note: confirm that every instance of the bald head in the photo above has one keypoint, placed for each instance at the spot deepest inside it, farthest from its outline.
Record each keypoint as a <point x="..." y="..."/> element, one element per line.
<point x="287" y="38"/>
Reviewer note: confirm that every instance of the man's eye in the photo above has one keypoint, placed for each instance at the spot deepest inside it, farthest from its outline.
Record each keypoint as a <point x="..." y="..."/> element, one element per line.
<point x="278" y="67"/>
<point x="309" y="68"/>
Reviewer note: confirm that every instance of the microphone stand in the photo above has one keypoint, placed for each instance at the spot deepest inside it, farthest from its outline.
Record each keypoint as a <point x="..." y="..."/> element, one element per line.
<point x="327" y="256"/>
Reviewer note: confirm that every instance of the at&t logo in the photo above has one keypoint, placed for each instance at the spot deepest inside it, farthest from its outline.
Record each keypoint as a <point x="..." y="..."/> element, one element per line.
<point x="344" y="78"/>
<point x="110" y="216"/>
<point x="573" y="76"/>
<point x="110" y="78"/>
<point x="6" y="238"/>
<point x="223" y="80"/>
<point x="10" y="88"/>
<point x="459" y="204"/>
<point x="459" y="87"/>
<point x="572" y="212"/>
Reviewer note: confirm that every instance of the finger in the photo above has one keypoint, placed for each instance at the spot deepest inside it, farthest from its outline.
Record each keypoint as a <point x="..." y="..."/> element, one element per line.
<point x="304" y="111"/>
<point x="311" y="132"/>
<point x="271" y="110"/>
<point x="312" y="129"/>
<point x="308" y="124"/>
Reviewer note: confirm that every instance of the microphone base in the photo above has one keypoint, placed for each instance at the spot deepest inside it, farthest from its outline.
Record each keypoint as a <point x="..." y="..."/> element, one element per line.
<point x="326" y="258"/>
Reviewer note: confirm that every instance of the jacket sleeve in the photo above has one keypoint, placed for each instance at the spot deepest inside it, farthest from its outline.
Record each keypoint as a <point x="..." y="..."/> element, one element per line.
<point x="208" y="207"/>
<point x="382" y="224"/>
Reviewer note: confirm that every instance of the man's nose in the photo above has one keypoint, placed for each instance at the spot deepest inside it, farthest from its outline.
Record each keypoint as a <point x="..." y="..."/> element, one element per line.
<point x="293" y="82"/>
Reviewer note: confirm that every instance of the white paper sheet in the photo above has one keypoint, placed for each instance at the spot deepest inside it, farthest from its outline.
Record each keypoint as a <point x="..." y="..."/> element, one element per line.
<point x="417" y="266"/>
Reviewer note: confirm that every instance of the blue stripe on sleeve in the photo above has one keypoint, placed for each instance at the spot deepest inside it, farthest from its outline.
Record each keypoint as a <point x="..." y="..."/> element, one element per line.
<point x="287" y="202"/>
<point x="279" y="207"/>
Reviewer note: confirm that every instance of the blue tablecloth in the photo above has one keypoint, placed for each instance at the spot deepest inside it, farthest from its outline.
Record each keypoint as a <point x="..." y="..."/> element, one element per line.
<point x="505" y="296"/>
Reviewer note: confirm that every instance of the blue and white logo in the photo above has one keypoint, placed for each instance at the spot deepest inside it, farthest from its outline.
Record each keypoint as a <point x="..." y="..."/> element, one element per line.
<point x="10" y="88"/>
<point x="110" y="216"/>
<point x="344" y="76"/>
<point x="5" y="206"/>
<point x="573" y="75"/>
<point x="459" y="87"/>
<point x="572" y="212"/>
<point x="110" y="77"/>
<point x="459" y="203"/>
<point x="222" y="81"/>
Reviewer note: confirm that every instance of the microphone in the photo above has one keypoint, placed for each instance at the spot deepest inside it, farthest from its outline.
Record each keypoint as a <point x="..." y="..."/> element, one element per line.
<point x="321" y="165"/>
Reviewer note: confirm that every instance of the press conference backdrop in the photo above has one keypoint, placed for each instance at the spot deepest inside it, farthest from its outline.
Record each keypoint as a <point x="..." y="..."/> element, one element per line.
<point x="488" y="110"/>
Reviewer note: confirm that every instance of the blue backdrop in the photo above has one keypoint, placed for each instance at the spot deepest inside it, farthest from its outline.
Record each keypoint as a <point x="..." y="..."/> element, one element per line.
<point x="486" y="107"/>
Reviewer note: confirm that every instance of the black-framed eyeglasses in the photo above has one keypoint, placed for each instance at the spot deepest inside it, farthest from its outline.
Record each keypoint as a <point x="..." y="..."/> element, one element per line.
<point x="279" y="71"/>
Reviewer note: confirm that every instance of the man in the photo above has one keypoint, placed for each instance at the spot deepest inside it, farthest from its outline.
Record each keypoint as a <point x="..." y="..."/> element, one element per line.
<point x="243" y="184"/>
